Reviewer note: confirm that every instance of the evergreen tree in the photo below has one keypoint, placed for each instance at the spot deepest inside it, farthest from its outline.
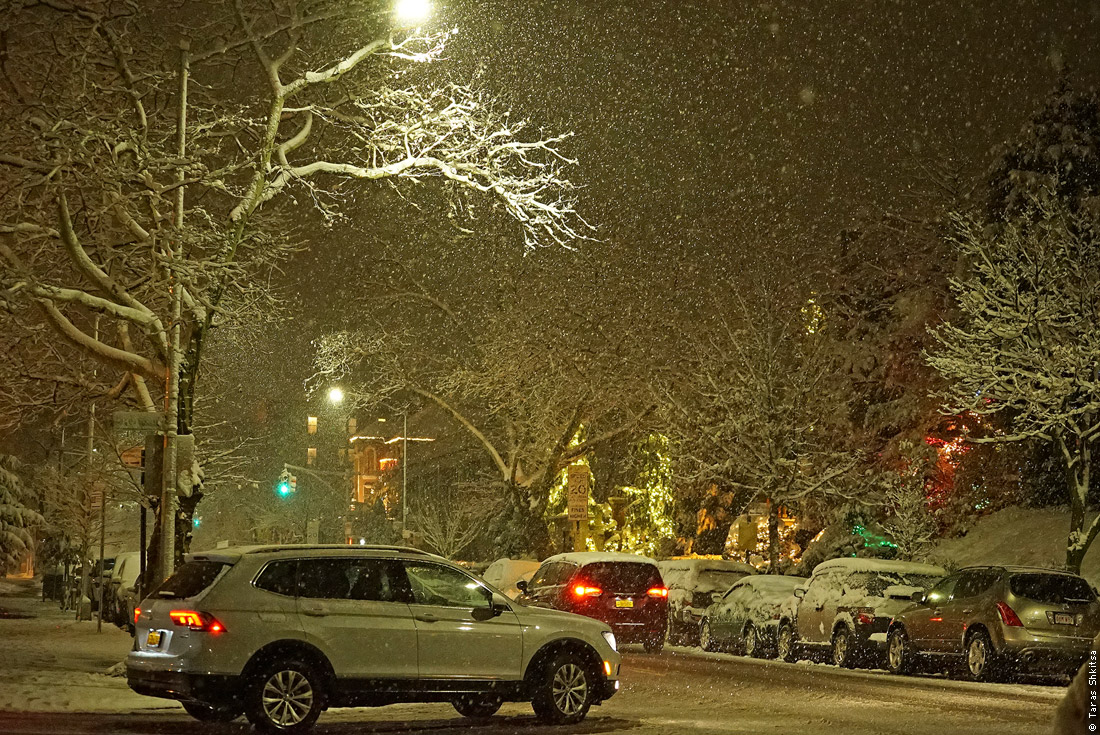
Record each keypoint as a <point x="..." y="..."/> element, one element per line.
<point x="15" y="518"/>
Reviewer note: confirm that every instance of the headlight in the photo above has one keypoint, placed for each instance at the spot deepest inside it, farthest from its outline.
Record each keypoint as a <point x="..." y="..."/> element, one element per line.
<point x="610" y="638"/>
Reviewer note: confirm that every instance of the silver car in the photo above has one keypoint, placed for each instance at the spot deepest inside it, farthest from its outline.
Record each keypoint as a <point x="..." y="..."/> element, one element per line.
<point x="280" y="633"/>
<point x="997" y="620"/>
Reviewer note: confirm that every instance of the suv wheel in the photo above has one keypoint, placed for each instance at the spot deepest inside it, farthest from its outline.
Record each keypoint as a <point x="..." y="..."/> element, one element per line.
<point x="843" y="648"/>
<point x="785" y="646"/>
<point x="752" y="641"/>
<point x="980" y="657"/>
<point x="899" y="656"/>
<point x="564" y="691"/>
<point x="286" y="697"/>
<point x="213" y="713"/>
<point x="478" y="705"/>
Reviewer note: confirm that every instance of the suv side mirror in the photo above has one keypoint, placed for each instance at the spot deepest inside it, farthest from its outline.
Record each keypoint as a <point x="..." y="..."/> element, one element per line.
<point x="920" y="597"/>
<point x="521" y="585"/>
<point x="495" y="609"/>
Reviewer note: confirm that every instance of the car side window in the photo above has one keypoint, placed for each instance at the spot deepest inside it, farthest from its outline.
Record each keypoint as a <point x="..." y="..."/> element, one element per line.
<point x="972" y="584"/>
<point x="435" y="584"/>
<point x="280" y="577"/>
<point x="364" y="579"/>
<point x="942" y="591"/>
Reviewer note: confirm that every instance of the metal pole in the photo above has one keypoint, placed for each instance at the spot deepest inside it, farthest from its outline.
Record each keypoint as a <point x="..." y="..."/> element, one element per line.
<point x="404" y="474"/>
<point x="168" y="488"/>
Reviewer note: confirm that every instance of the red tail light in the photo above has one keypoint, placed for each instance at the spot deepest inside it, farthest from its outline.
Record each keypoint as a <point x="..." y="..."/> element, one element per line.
<point x="196" y="621"/>
<point x="657" y="592"/>
<point x="137" y="614"/>
<point x="582" y="590"/>
<point x="1009" y="616"/>
<point x="865" y="618"/>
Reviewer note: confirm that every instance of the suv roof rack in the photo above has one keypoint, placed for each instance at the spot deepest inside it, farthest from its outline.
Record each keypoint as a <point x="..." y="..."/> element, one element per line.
<point x="339" y="547"/>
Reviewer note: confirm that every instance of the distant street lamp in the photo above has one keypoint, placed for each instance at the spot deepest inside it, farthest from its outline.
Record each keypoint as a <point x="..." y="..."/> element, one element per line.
<point x="411" y="12"/>
<point x="336" y="395"/>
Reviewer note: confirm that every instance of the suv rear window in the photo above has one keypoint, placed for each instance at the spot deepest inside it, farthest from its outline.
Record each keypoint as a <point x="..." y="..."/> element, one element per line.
<point x="622" y="576"/>
<point x="1051" y="588"/>
<point x="189" y="580"/>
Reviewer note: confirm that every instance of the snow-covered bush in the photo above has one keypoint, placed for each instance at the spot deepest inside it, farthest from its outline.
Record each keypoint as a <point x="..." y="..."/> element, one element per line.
<point x="15" y="518"/>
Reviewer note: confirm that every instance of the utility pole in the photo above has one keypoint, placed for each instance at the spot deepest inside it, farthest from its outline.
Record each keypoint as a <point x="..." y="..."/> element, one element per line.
<point x="172" y="377"/>
<point x="404" y="475"/>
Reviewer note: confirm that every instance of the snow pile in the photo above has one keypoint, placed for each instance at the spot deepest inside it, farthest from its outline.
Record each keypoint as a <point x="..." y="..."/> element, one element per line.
<point x="1023" y="536"/>
<point x="53" y="663"/>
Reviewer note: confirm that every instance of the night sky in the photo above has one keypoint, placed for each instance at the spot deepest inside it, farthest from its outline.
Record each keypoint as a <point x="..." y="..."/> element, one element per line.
<point x="726" y="135"/>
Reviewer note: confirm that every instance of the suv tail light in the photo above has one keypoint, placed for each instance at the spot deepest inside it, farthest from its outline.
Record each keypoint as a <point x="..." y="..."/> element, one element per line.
<point x="657" y="592"/>
<point x="865" y="618"/>
<point x="137" y="614"/>
<point x="1009" y="616"/>
<point x="583" y="590"/>
<point x="194" y="620"/>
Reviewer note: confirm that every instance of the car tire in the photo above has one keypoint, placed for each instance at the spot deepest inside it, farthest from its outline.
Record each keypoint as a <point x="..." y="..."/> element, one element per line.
<point x="706" y="637"/>
<point x="981" y="657"/>
<point x="285" y="698"/>
<point x="752" y="646"/>
<point x="478" y="706"/>
<point x="843" y="648"/>
<point x="785" y="644"/>
<point x="563" y="693"/>
<point x="900" y="656"/>
<point x="213" y="713"/>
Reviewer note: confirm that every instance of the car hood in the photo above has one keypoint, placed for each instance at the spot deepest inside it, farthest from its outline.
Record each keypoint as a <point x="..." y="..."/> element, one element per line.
<point x="558" y="618"/>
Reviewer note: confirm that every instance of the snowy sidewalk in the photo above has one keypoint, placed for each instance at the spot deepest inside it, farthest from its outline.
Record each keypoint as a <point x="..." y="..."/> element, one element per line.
<point x="52" y="663"/>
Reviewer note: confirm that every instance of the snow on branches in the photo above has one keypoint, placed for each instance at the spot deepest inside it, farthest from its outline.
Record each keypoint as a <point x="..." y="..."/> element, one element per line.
<point x="1027" y="340"/>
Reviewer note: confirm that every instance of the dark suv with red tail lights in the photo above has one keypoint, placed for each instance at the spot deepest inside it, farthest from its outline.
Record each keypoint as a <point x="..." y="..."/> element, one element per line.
<point x="623" y="590"/>
<point x="996" y="620"/>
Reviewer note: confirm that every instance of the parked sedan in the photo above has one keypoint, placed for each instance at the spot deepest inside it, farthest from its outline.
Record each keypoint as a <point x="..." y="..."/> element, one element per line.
<point x="505" y="573"/>
<point x="746" y="618"/>
<point x="693" y="585"/>
<point x="997" y="620"/>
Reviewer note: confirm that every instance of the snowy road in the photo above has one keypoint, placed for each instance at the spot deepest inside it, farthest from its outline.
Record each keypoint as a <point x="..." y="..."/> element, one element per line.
<point x="671" y="693"/>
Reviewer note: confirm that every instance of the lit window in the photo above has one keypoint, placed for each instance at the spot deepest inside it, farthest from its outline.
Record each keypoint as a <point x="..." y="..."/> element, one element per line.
<point x="352" y="424"/>
<point x="311" y="455"/>
<point x="312" y="423"/>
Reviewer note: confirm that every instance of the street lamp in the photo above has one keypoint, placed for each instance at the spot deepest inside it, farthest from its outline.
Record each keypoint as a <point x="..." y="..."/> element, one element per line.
<point x="411" y="12"/>
<point x="335" y="395"/>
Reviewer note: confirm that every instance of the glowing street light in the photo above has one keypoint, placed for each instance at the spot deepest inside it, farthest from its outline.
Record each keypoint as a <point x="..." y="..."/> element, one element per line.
<point x="411" y="12"/>
<point x="335" y="395"/>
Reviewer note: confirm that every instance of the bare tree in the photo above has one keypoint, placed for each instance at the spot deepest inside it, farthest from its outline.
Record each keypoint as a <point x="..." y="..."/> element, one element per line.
<point x="1025" y="344"/>
<point x="122" y="199"/>
<point x="451" y="519"/>
<point x="755" y="408"/>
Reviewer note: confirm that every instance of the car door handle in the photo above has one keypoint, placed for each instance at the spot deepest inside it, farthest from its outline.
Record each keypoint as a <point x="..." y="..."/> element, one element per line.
<point x="427" y="618"/>
<point x="967" y="611"/>
<point x="314" y="610"/>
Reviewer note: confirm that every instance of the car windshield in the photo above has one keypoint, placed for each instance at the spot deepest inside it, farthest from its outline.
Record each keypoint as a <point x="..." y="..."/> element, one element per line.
<point x="189" y="580"/>
<point x="1051" y="588"/>
<point x="876" y="583"/>
<point x="622" y="576"/>
<point x="715" y="580"/>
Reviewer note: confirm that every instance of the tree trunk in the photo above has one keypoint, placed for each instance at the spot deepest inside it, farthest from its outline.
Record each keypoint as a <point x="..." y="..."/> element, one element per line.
<point x="773" y="537"/>
<point x="1077" y="460"/>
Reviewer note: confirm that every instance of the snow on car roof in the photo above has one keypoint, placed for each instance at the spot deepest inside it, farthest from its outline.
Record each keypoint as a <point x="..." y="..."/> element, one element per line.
<point x="720" y="565"/>
<point x="771" y="582"/>
<point x="592" y="557"/>
<point x="879" y="565"/>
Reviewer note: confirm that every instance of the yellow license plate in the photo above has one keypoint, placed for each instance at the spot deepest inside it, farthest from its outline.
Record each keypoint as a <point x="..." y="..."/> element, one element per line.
<point x="153" y="639"/>
<point x="624" y="603"/>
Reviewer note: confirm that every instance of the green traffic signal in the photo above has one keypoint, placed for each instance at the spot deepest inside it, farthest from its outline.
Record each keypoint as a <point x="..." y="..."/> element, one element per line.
<point x="283" y="488"/>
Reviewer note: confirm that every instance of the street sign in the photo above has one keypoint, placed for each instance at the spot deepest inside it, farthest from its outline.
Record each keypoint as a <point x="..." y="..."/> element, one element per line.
<point x="578" y="492"/>
<point x="134" y="457"/>
<point x="143" y="421"/>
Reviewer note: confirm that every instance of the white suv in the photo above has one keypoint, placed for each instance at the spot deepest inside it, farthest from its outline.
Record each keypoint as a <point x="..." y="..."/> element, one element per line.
<point x="280" y="633"/>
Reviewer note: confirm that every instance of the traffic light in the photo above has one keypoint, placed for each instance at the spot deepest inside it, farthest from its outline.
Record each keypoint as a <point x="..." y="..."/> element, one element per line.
<point x="287" y="484"/>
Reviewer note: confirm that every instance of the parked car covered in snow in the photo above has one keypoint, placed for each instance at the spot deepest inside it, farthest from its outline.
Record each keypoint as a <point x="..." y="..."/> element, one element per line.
<point x="504" y="573"/>
<point x="847" y="606"/>
<point x="623" y="590"/>
<point x="121" y="594"/>
<point x="998" y="620"/>
<point x="693" y="585"/>
<point x="746" y="617"/>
